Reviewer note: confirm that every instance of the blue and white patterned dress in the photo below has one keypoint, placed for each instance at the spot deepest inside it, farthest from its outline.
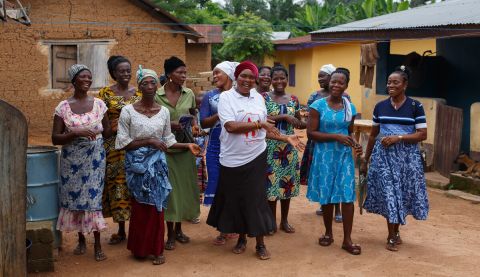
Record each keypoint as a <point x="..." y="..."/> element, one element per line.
<point x="396" y="181"/>
<point x="332" y="173"/>
<point x="209" y="108"/>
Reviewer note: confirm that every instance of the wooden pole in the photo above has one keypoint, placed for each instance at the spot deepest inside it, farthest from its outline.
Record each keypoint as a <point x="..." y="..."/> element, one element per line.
<point x="13" y="189"/>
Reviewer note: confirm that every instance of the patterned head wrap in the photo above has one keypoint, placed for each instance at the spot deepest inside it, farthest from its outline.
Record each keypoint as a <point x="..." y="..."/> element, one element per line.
<point x="144" y="73"/>
<point x="328" y="68"/>
<point x="228" y="68"/>
<point x="75" y="69"/>
<point x="246" y="65"/>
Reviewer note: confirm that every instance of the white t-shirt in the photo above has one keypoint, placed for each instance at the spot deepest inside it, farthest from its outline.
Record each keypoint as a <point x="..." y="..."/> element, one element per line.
<point x="239" y="149"/>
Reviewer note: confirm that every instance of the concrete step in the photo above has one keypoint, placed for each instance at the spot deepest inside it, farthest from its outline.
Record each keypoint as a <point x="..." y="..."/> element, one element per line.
<point x="474" y="199"/>
<point x="436" y="180"/>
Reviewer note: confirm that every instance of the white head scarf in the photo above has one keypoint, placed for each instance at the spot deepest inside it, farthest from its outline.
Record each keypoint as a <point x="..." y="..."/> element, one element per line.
<point x="228" y="68"/>
<point x="328" y="68"/>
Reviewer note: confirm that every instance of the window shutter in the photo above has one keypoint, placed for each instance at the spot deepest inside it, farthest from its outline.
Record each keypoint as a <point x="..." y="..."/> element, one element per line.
<point x="63" y="57"/>
<point x="291" y="75"/>
<point x="95" y="56"/>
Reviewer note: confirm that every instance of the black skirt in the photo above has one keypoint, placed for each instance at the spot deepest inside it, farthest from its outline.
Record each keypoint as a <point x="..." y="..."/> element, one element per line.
<point x="240" y="204"/>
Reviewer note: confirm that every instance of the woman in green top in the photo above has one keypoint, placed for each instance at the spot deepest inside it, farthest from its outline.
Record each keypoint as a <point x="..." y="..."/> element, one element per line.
<point x="183" y="202"/>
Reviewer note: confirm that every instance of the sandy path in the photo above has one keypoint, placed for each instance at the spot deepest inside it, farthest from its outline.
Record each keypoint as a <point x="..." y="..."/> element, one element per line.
<point x="447" y="244"/>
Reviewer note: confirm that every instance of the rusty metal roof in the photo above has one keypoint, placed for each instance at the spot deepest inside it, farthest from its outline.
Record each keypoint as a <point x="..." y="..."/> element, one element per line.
<point x="447" y="13"/>
<point x="155" y="10"/>
<point x="210" y="33"/>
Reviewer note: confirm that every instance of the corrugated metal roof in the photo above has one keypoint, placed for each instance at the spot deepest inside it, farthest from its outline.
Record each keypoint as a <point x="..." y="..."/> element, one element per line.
<point x="446" y="13"/>
<point x="280" y="35"/>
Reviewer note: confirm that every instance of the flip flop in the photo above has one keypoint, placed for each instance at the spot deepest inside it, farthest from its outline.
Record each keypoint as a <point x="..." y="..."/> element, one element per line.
<point x="398" y="240"/>
<point x="182" y="238"/>
<point x="80" y="249"/>
<point x="240" y="247"/>
<point x="170" y="245"/>
<point x="262" y="252"/>
<point x="116" y="239"/>
<point x="353" y="249"/>
<point x="99" y="255"/>
<point x="220" y="240"/>
<point x="287" y="228"/>
<point x="391" y="245"/>
<point x="325" y="240"/>
<point x="158" y="260"/>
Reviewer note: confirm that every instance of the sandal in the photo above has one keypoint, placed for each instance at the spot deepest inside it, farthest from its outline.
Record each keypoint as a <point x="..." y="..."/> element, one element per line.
<point x="325" y="240"/>
<point x="195" y="220"/>
<point x="182" y="238"/>
<point x="240" y="247"/>
<point x="220" y="240"/>
<point x="398" y="240"/>
<point x="158" y="260"/>
<point x="99" y="255"/>
<point x="231" y="236"/>
<point x="262" y="252"/>
<point x="391" y="245"/>
<point x="80" y="249"/>
<point x="287" y="228"/>
<point x="170" y="245"/>
<point x="353" y="249"/>
<point x="116" y="239"/>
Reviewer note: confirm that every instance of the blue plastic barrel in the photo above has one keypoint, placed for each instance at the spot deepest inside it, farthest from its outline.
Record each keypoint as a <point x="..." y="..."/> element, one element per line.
<point x="42" y="185"/>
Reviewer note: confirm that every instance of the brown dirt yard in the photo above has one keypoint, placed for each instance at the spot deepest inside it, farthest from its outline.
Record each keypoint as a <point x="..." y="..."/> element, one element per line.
<point x="447" y="244"/>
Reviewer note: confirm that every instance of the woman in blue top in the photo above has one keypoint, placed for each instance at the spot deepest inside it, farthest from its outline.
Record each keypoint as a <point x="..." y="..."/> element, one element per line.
<point x="324" y="75"/>
<point x="332" y="174"/>
<point x="223" y="76"/>
<point x="396" y="181"/>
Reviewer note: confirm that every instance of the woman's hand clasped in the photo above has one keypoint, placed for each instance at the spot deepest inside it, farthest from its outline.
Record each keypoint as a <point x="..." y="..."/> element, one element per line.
<point x="86" y="133"/>
<point x="295" y="141"/>
<point x="388" y="141"/>
<point x="160" y="145"/>
<point x="346" y="140"/>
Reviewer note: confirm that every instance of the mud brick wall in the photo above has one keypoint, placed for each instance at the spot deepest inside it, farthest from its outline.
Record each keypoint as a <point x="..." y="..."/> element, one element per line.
<point x="199" y="57"/>
<point x="201" y="82"/>
<point x="40" y="255"/>
<point x="24" y="59"/>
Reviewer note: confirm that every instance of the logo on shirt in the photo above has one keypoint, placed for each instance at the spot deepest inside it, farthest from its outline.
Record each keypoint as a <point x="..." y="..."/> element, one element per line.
<point x="251" y="136"/>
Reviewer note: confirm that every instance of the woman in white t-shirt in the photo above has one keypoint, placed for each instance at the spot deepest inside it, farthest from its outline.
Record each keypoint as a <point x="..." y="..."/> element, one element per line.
<point x="240" y="204"/>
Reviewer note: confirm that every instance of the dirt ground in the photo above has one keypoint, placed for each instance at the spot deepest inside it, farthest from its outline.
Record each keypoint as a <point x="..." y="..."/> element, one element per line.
<point x="447" y="244"/>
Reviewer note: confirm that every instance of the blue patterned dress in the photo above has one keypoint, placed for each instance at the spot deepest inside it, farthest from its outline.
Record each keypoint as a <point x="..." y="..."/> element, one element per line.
<point x="332" y="173"/>
<point x="209" y="108"/>
<point x="396" y="182"/>
<point x="308" y="152"/>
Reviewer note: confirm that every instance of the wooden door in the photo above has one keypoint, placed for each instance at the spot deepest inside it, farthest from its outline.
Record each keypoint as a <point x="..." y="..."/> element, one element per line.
<point x="13" y="190"/>
<point x="448" y="137"/>
<point x="63" y="57"/>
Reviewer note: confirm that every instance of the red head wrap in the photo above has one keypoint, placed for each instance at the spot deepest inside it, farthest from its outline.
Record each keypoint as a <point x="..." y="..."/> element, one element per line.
<point x="246" y="65"/>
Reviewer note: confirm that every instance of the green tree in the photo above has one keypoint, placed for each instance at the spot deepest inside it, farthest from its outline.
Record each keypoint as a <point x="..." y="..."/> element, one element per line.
<point x="240" y="7"/>
<point x="195" y="11"/>
<point x="248" y="37"/>
<point x="279" y="12"/>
